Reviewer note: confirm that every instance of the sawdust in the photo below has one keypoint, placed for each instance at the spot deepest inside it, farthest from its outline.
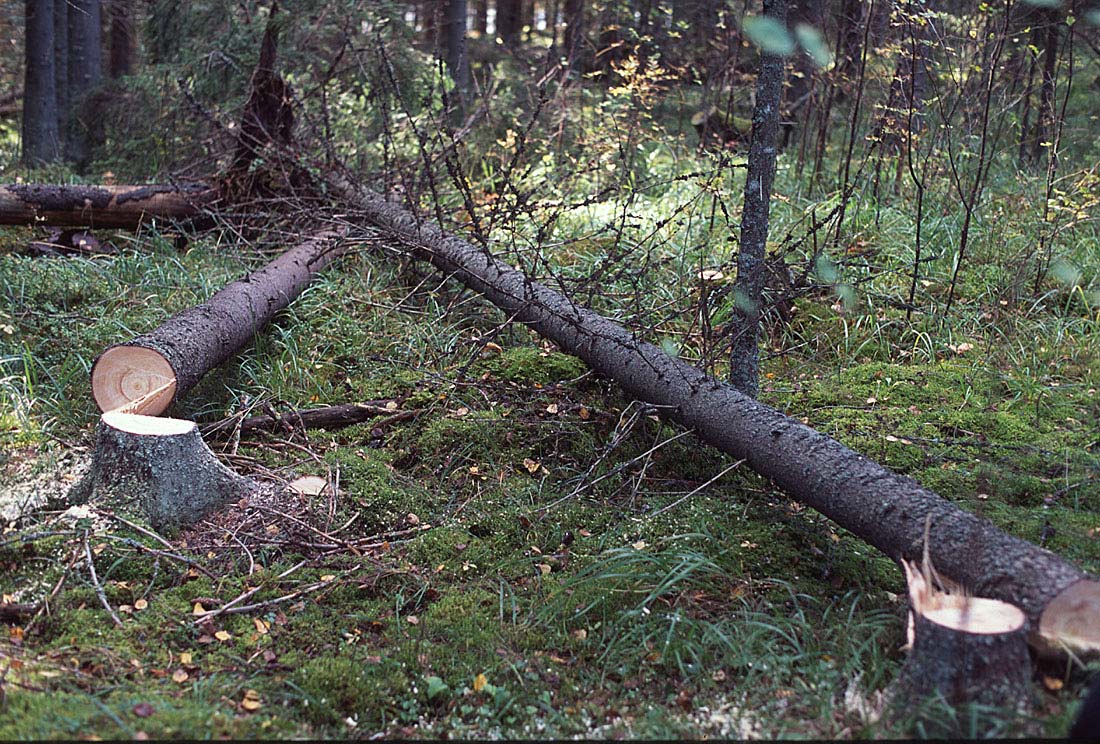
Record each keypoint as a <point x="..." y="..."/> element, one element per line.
<point x="32" y="479"/>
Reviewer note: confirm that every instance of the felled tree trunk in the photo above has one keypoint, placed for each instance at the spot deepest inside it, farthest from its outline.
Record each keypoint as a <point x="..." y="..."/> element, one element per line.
<point x="887" y="510"/>
<point x="147" y="374"/>
<point x="124" y="207"/>
<point x="160" y="464"/>
<point x="964" y="649"/>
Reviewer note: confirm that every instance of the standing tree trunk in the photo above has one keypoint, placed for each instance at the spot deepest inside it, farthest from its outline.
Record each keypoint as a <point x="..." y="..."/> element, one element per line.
<point x="574" y="33"/>
<point x="458" y="61"/>
<point x="121" y="61"/>
<point x="798" y="95"/>
<point x="84" y="128"/>
<point x="481" y="17"/>
<point x="41" y="140"/>
<point x="61" y="62"/>
<point x="508" y="21"/>
<point x="1044" y="125"/>
<point x="749" y="287"/>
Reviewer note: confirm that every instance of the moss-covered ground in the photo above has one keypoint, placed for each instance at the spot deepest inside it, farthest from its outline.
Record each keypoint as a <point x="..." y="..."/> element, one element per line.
<point x="531" y="553"/>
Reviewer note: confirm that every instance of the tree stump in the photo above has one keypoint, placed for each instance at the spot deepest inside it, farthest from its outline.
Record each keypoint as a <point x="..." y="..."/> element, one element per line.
<point x="965" y="649"/>
<point x="163" y="465"/>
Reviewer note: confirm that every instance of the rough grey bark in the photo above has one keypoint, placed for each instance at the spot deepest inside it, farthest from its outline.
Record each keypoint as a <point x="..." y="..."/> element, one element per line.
<point x="41" y="137"/>
<point x="885" y="509"/>
<point x="83" y="129"/>
<point x="458" y="61"/>
<point x="749" y="286"/>
<point x="173" y="477"/>
<point x="201" y="338"/>
<point x="124" y="207"/>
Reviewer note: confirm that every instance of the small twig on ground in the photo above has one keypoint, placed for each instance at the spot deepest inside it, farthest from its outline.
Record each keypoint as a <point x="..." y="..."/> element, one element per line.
<point x="95" y="582"/>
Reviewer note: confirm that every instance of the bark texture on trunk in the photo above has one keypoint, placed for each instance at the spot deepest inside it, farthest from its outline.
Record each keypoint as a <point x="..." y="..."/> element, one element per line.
<point x="146" y="375"/>
<point x="458" y="62"/>
<point x="83" y="129"/>
<point x="161" y="465"/>
<point x="41" y="137"/>
<point x="124" y="207"/>
<point x="885" y="509"/>
<point x="749" y="287"/>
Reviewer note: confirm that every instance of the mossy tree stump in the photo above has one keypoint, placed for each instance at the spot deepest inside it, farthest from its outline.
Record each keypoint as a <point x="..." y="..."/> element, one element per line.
<point x="163" y="465"/>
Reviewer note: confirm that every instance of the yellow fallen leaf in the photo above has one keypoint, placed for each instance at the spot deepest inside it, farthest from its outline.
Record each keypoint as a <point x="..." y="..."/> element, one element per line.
<point x="479" y="682"/>
<point x="251" y="700"/>
<point x="584" y="413"/>
<point x="198" y="609"/>
<point x="222" y="636"/>
<point x="261" y="626"/>
<point x="531" y="465"/>
<point x="328" y="577"/>
<point x="640" y="545"/>
<point x="544" y="568"/>
<point x="179" y="676"/>
<point x="185" y="657"/>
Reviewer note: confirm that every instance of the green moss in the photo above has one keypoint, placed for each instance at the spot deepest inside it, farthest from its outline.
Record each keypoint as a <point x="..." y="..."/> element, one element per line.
<point x="331" y="689"/>
<point x="531" y="365"/>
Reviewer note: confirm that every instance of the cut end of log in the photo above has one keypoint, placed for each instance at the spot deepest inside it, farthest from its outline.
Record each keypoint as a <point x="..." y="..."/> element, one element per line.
<point x="1071" y="622"/>
<point x="134" y="379"/>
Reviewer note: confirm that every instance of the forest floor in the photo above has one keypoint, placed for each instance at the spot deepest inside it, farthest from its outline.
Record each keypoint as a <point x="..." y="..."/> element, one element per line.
<point x="531" y="554"/>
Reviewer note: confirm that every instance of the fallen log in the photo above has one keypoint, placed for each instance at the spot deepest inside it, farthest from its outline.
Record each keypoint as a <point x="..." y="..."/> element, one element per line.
<point x="147" y="374"/>
<point x="162" y="465"/>
<point x="887" y="510"/>
<point x="326" y="417"/>
<point x="121" y="207"/>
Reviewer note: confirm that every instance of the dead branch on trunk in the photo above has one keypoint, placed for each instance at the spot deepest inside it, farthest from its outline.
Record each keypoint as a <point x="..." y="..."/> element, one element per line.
<point x="120" y="207"/>
<point x="327" y="417"/>
<point x="145" y="375"/>
<point x="887" y="510"/>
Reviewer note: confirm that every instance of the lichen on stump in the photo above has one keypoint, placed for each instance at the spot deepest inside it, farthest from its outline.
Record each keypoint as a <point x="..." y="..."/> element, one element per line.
<point x="160" y="464"/>
<point x="964" y="649"/>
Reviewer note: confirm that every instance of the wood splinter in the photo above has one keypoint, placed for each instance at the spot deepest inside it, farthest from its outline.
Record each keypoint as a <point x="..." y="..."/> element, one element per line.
<point x="161" y="464"/>
<point x="965" y="649"/>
